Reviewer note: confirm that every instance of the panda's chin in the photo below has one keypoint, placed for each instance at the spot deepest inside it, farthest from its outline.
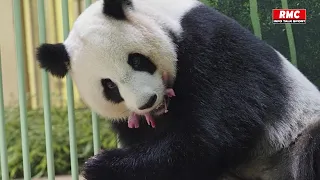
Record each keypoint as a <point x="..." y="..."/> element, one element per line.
<point x="162" y="108"/>
<point x="156" y="111"/>
<point x="159" y="110"/>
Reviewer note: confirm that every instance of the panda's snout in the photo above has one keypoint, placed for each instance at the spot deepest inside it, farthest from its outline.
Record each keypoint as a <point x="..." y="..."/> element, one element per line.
<point x="150" y="102"/>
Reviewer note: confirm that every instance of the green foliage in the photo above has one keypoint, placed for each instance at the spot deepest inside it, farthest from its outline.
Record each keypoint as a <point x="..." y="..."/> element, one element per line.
<point x="306" y="36"/>
<point x="60" y="133"/>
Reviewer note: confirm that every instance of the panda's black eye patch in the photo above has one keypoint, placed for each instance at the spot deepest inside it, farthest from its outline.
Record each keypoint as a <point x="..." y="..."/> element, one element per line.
<point x="111" y="91"/>
<point x="140" y="62"/>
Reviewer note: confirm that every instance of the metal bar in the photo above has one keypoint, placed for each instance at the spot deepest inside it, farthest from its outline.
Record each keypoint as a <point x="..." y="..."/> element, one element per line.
<point x="21" y="88"/>
<point x="96" y="133"/>
<point x="95" y="121"/>
<point x="3" y="141"/>
<point x="70" y="95"/>
<point x="118" y="142"/>
<point x="46" y="96"/>
<point x="292" y="46"/>
<point x="255" y="18"/>
<point x="87" y="3"/>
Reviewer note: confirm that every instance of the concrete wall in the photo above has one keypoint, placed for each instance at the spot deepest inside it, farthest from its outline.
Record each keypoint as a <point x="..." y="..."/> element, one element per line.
<point x="8" y="53"/>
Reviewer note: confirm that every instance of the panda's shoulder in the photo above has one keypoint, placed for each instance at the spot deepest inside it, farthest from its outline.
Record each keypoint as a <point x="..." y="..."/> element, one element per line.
<point x="217" y="28"/>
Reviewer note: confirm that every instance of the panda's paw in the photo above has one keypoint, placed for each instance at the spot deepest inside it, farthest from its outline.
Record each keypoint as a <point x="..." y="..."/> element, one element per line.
<point x="102" y="166"/>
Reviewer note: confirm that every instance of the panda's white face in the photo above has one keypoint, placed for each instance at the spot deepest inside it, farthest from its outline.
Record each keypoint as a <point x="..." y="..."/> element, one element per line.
<point x="117" y="64"/>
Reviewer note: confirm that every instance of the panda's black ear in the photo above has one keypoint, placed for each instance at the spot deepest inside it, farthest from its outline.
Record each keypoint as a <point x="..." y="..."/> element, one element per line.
<point x="53" y="58"/>
<point x="116" y="8"/>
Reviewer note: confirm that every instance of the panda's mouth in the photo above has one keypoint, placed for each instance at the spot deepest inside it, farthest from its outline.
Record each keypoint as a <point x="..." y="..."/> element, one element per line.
<point x="160" y="109"/>
<point x="169" y="93"/>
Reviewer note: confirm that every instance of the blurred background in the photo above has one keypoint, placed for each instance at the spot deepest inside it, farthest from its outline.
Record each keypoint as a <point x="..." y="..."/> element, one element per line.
<point x="299" y="43"/>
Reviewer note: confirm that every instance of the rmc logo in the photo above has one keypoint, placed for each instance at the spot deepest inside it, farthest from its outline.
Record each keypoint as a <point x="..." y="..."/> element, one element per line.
<point x="292" y="16"/>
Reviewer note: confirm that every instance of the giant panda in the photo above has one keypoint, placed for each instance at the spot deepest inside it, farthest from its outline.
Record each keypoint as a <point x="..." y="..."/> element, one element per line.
<point x="241" y="110"/>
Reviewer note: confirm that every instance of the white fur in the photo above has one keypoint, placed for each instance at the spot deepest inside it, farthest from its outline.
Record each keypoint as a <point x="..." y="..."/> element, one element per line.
<point x="303" y="106"/>
<point x="168" y="13"/>
<point x="99" y="46"/>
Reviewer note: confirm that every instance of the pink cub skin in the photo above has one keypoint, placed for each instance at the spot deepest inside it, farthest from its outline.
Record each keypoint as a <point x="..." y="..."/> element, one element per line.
<point x="169" y="91"/>
<point x="133" y="120"/>
<point x="150" y="120"/>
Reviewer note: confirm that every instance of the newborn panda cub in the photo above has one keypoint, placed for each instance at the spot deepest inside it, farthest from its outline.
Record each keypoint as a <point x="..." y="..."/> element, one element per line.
<point x="238" y="108"/>
<point x="133" y="121"/>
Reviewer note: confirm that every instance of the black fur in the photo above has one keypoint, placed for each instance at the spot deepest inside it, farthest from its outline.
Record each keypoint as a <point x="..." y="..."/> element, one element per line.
<point x="116" y="8"/>
<point x="150" y="102"/>
<point x="111" y="93"/>
<point x="140" y="62"/>
<point x="299" y="161"/>
<point x="229" y="87"/>
<point x="54" y="58"/>
<point x="307" y="151"/>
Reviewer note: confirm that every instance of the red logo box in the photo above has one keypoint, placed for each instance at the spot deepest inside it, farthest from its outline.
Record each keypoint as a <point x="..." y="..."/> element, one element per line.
<point x="291" y="16"/>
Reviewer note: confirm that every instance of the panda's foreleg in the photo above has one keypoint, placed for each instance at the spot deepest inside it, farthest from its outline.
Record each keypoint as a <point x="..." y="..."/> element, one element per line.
<point x="168" y="159"/>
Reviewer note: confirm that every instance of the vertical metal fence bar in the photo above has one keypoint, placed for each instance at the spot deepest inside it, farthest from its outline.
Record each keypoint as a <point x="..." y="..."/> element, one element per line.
<point x="255" y="18"/>
<point x="95" y="121"/>
<point x="46" y="95"/>
<point x="96" y="133"/>
<point x="87" y="3"/>
<point x="70" y="96"/>
<point x="289" y="32"/>
<point x="3" y="141"/>
<point x="21" y="88"/>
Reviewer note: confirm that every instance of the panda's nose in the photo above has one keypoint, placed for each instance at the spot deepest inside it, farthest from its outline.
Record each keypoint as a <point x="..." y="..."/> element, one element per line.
<point x="150" y="102"/>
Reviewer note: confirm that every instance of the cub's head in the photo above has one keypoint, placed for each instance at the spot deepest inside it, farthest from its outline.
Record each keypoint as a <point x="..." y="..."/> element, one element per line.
<point x="116" y="54"/>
